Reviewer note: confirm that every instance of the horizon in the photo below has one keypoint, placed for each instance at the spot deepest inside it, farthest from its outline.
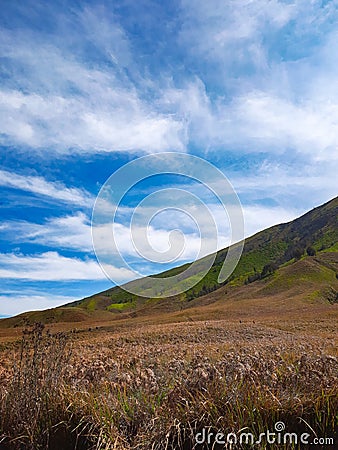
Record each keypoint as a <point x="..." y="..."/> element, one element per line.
<point x="88" y="88"/>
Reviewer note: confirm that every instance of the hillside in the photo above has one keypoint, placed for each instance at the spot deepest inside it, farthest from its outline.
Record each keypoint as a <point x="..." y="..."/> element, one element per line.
<point x="298" y="259"/>
<point x="278" y="245"/>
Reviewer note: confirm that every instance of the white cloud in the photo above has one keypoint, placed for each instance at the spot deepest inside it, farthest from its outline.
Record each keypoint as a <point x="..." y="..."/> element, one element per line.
<point x="68" y="232"/>
<point x="271" y="95"/>
<point x="153" y="244"/>
<point x="287" y="186"/>
<point x="250" y="36"/>
<point x="258" y="121"/>
<point x="258" y="217"/>
<point x="231" y="33"/>
<point x="63" y="102"/>
<point x="155" y="241"/>
<point x="74" y="231"/>
<point x="101" y="29"/>
<point x="272" y="123"/>
<point x="51" y="266"/>
<point x="106" y="105"/>
<point x="172" y="224"/>
<point x="11" y="305"/>
<point x="114" y="120"/>
<point x="40" y="186"/>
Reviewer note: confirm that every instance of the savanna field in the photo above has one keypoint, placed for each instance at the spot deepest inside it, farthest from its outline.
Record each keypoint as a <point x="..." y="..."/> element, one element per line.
<point x="147" y="384"/>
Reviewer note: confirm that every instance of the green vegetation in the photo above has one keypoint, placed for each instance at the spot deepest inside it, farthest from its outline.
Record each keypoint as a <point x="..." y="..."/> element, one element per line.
<point x="306" y="276"/>
<point x="263" y="253"/>
<point x="121" y="306"/>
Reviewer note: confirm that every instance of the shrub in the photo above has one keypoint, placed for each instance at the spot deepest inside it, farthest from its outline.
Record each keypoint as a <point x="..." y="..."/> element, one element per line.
<point x="310" y="251"/>
<point x="254" y="277"/>
<point x="269" y="269"/>
<point x="297" y="253"/>
<point x="34" y="403"/>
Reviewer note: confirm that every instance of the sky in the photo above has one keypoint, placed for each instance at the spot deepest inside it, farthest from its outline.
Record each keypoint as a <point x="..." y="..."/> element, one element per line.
<point x="87" y="87"/>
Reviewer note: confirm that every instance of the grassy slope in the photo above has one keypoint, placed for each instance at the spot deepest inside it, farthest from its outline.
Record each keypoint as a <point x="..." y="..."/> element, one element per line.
<point x="55" y="315"/>
<point x="317" y="228"/>
<point x="313" y="278"/>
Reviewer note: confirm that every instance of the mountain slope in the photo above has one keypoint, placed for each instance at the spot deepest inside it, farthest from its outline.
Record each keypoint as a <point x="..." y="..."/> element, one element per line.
<point x="278" y="245"/>
<point x="274" y="262"/>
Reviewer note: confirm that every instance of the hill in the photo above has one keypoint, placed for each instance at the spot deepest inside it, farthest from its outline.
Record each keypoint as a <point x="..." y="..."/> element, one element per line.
<point x="277" y="245"/>
<point x="294" y="260"/>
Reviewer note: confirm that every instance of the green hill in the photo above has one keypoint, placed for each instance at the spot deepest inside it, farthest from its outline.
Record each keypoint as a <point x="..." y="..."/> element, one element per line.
<point x="315" y="231"/>
<point x="290" y="258"/>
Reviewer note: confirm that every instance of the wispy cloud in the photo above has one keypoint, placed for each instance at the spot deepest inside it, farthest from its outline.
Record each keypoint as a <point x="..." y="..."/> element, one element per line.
<point x="231" y="33"/>
<point x="40" y="186"/>
<point x="149" y="240"/>
<point x="74" y="233"/>
<point x="267" y="76"/>
<point x="287" y="185"/>
<point x="68" y="232"/>
<point x="248" y="38"/>
<point x="258" y="217"/>
<point x="81" y="100"/>
<point x="261" y="122"/>
<point x="51" y="266"/>
<point x="254" y="92"/>
<point x="112" y="120"/>
<point x="258" y="121"/>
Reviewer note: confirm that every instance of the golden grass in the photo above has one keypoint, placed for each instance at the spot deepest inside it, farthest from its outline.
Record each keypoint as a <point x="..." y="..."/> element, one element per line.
<point x="145" y="383"/>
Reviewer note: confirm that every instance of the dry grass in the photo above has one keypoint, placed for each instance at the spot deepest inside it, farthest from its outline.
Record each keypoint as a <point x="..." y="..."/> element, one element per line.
<point x="155" y="386"/>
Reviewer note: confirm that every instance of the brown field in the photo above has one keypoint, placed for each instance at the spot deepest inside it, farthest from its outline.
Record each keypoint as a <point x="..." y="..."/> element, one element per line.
<point x="154" y="381"/>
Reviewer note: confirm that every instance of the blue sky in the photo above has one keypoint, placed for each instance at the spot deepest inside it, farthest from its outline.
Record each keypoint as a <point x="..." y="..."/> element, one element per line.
<point x="252" y="86"/>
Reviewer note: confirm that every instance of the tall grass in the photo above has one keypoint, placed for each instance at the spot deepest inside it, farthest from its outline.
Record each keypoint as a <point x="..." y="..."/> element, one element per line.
<point x="149" y="392"/>
<point x="33" y="405"/>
